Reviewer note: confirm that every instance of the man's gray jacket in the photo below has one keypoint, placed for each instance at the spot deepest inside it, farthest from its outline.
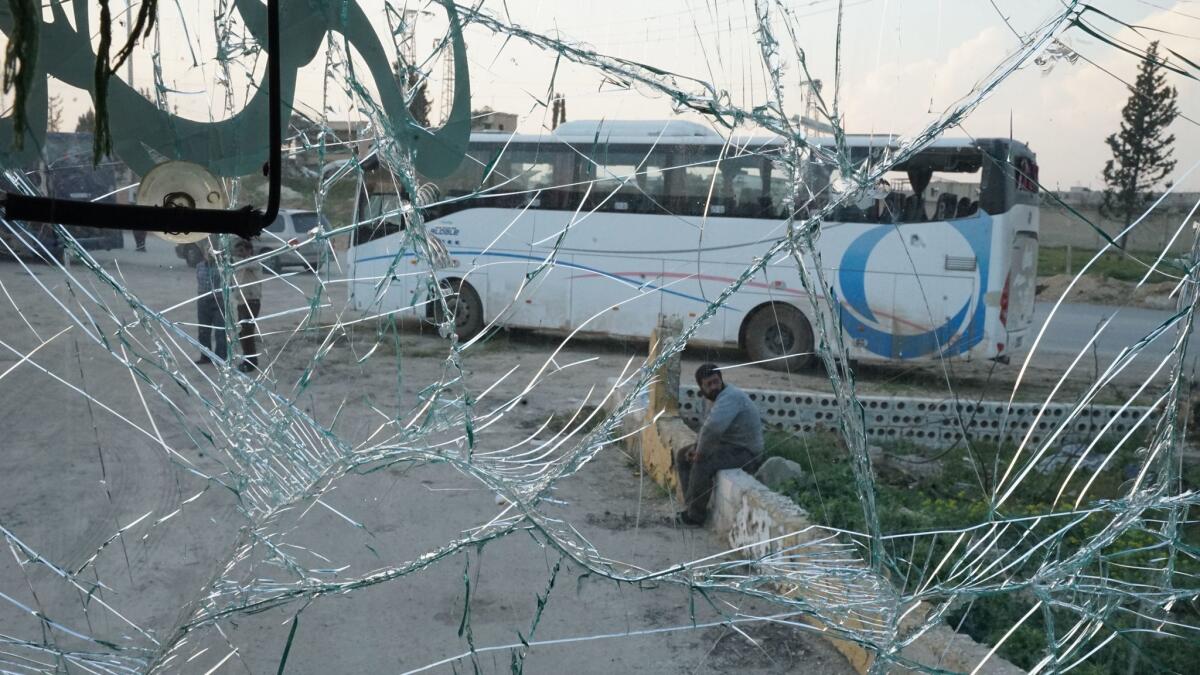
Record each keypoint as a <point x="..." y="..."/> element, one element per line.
<point x="732" y="423"/>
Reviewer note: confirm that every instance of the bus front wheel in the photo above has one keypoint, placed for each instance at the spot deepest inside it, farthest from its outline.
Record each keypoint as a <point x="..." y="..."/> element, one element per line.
<point x="776" y="332"/>
<point x="465" y="307"/>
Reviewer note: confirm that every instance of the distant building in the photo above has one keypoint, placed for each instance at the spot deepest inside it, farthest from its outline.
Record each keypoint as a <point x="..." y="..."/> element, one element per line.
<point x="486" y="119"/>
<point x="343" y="139"/>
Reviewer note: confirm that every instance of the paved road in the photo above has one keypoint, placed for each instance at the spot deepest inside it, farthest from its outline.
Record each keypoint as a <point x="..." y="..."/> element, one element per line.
<point x="1074" y="324"/>
<point x="1069" y="331"/>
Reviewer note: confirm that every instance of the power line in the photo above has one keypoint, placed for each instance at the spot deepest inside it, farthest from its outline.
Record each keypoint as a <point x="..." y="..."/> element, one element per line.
<point x="644" y="19"/>
<point x="667" y="33"/>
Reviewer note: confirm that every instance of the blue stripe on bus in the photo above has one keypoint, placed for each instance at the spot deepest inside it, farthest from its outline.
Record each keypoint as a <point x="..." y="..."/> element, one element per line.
<point x="632" y="282"/>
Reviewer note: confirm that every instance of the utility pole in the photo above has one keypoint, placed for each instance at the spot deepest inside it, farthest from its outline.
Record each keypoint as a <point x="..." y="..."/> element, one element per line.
<point x="809" y="118"/>
<point x="127" y="174"/>
<point x="407" y="33"/>
<point x="558" y="110"/>
<point x="128" y="34"/>
<point x="408" y="39"/>
<point x="447" y="98"/>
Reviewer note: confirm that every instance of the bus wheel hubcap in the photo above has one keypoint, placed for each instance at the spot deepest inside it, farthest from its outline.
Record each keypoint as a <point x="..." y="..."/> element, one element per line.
<point x="780" y="340"/>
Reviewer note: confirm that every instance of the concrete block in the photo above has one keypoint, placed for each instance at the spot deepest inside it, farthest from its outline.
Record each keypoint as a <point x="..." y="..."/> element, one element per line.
<point x="931" y="423"/>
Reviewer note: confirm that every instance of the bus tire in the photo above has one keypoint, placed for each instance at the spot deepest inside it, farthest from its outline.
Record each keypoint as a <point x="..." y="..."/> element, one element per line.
<point x="465" y="306"/>
<point x="777" y="330"/>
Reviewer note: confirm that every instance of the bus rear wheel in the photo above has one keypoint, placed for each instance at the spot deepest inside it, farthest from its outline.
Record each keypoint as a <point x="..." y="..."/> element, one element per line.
<point x="465" y="306"/>
<point x="777" y="331"/>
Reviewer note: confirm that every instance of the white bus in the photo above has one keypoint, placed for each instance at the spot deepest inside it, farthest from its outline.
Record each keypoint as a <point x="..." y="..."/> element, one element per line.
<point x="642" y="219"/>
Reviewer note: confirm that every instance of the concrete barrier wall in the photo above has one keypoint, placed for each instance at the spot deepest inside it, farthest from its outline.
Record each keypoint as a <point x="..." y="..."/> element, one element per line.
<point x="933" y="423"/>
<point x="746" y="513"/>
<point x="1060" y="227"/>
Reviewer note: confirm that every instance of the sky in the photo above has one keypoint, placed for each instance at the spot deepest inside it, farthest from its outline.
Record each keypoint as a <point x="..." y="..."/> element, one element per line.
<point x="903" y="62"/>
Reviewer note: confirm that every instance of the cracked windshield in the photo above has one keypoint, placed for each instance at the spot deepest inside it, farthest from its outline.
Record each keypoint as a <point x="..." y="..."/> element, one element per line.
<point x="689" y="336"/>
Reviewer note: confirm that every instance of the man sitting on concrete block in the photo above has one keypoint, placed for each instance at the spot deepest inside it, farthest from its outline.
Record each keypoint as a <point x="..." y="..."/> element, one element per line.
<point x="730" y="438"/>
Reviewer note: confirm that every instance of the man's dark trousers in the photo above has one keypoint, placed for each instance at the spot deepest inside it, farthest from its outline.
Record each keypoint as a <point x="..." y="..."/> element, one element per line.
<point x="696" y="480"/>
<point x="210" y="318"/>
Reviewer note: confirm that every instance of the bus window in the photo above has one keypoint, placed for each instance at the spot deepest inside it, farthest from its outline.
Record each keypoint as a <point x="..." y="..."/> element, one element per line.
<point x="916" y="195"/>
<point x="379" y="207"/>
<point x="689" y="182"/>
<point x="523" y="170"/>
<point x="753" y="186"/>
<point x="625" y="179"/>
<point x="373" y="205"/>
<point x="468" y="178"/>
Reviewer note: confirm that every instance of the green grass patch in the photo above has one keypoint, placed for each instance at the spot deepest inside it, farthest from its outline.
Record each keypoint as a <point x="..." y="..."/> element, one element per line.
<point x="1122" y="267"/>
<point x="956" y="497"/>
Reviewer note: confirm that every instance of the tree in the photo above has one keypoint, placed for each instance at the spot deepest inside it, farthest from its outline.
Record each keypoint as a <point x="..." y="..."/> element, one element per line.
<point x="86" y="122"/>
<point x="418" y="91"/>
<point x="54" y="114"/>
<point x="420" y="104"/>
<point x="1142" y="148"/>
<point x="558" y="111"/>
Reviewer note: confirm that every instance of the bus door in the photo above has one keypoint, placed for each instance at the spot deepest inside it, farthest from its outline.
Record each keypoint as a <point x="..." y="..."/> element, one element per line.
<point x="1018" y="298"/>
<point x="526" y="282"/>
<point x="1017" y="301"/>
<point x="617" y="243"/>
<point x="375" y="245"/>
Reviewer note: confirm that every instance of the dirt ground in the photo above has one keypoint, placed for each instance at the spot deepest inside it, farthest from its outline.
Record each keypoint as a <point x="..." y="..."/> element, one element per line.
<point x="1099" y="290"/>
<point x="84" y="455"/>
<point x="79" y="467"/>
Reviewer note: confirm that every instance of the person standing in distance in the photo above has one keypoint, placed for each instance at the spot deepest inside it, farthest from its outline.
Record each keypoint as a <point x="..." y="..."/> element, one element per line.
<point x="210" y="305"/>
<point x="249" y="297"/>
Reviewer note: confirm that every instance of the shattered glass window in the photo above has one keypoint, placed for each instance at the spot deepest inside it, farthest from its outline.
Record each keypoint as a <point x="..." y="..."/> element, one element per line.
<point x="436" y="416"/>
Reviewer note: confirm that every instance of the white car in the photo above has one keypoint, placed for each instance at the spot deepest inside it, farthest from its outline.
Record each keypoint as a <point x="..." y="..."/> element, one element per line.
<point x="291" y="227"/>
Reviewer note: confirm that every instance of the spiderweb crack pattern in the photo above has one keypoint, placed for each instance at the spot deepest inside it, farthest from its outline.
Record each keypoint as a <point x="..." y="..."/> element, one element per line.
<point x="260" y="470"/>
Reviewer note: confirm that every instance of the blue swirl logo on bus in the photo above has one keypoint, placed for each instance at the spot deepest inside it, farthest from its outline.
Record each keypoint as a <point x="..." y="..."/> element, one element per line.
<point x="961" y="331"/>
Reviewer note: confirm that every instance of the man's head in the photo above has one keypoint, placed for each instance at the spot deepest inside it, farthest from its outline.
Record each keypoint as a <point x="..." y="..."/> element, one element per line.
<point x="708" y="378"/>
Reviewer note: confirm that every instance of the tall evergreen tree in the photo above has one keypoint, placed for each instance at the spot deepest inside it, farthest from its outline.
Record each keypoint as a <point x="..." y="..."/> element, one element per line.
<point x="1142" y="148"/>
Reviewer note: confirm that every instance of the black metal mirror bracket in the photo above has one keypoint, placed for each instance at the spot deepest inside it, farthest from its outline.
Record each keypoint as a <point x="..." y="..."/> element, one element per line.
<point x="245" y="222"/>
